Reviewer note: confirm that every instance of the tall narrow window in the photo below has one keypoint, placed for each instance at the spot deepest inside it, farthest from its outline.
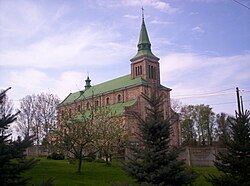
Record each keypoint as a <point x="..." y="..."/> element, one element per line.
<point x="138" y="70"/>
<point x="96" y="103"/>
<point x="79" y="108"/>
<point x="151" y="72"/>
<point x="107" y="101"/>
<point x="119" y="98"/>
<point x="70" y="113"/>
<point x="87" y="106"/>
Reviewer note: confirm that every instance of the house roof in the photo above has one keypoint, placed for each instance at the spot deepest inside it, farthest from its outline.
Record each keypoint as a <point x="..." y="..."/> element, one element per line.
<point x="109" y="86"/>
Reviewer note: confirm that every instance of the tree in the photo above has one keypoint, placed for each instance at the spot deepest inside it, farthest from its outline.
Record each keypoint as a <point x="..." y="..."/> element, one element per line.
<point x="198" y="124"/>
<point x="46" y="112"/>
<point x="153" y="161"/>
<point x="12" y="158"/>
<point x="111" y="134"/>
<point x="188" y="125"/>
<point x="176" y="105"/>
<point x="91" y="131"/>
<point x="75" y="136"/>
<point x="223" y="128"/>
<point x="25" y="120"/>
<point x="38" y="115"/>
<point x="235" y="162"/>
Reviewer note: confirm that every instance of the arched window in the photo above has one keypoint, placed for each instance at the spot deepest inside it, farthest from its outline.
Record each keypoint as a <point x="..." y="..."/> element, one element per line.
<point x="87" y="105"/>
<point x="79" y="108"/>
<point x="119" y="98"/>
<point x="107" y="101"/>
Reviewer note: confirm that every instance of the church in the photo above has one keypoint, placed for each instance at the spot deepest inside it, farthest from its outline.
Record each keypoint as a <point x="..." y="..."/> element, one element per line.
<point x="124" y="93"/>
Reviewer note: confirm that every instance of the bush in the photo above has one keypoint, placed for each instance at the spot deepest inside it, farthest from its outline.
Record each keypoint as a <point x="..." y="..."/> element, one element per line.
<point x="56" y="156"/>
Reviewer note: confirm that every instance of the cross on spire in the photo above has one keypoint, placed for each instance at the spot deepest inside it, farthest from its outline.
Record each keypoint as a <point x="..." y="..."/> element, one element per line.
<point x="142" y="12"/>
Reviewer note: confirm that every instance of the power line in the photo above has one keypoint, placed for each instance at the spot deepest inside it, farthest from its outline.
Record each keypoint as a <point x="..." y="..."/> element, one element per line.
<point x="205" y="93"/>
<point x="242" y="4"/>
<point x="226" y="103"/>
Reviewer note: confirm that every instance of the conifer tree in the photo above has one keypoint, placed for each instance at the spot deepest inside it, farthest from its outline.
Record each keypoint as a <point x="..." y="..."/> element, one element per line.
<point x="153" y="161"/>
<point x="12" y="158"/>
<point x="235" y="162"/>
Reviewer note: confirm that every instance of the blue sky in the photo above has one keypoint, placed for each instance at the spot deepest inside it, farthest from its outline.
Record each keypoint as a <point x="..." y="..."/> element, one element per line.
<point x="51" y="46"/>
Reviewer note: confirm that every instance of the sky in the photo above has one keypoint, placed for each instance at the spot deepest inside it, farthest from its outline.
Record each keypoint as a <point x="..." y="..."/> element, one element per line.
<point x="51" y="46"/>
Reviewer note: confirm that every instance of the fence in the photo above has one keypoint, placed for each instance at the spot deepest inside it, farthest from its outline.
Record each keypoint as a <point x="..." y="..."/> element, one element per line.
<point x="200" y="156"/>
<point x="194" y="156"/>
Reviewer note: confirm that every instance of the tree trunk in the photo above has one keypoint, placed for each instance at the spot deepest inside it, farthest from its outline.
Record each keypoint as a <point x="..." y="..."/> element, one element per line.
<point x="79" y="161"/>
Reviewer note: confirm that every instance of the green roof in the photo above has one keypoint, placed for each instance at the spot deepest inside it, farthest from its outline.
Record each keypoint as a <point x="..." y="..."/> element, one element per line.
<point x="118" y="109"/>
<point x="115" y="84"/>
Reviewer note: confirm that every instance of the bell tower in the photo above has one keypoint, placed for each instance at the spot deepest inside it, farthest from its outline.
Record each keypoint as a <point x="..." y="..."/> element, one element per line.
<point x="145" y="64"/>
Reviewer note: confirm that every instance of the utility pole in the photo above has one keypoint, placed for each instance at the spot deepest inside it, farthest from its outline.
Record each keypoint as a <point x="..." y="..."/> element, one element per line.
<point x="241" y="102"/>
<point x="238" y="100"/>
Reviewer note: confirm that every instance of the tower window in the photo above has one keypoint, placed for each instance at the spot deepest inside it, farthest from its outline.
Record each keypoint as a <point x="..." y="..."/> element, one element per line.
<point x="151" y="72"/>
<point x="138" y="70"/>
<point x="79" y="108"/>
<point x="87" y="106"/>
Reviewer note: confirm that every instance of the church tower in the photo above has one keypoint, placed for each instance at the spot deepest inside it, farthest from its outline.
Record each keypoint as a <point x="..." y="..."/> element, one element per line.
<point x="145" y="64"/>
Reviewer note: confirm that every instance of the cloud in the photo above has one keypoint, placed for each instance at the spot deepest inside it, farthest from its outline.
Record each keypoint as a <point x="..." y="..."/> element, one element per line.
<point x="218" y="69"/>
<point x="155" y="21"/>
<point x="131" y="16"/>
<point x="193" y="13"/>
<point x="31" y="81"/>
<point x="189" y="74"/>
<point x="67" y="49"/>
<point x="156" y="4"/>
<point x="198" y="29"/>
<point x="23" y="20"/>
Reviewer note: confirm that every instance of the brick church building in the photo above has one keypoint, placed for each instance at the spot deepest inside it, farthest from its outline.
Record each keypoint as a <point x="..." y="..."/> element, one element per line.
<point x="124" y="93"/>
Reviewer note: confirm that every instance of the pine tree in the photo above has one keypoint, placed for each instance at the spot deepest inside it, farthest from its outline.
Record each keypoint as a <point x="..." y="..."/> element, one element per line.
<point x="235" y="162"/>
<point x="153" y="161"/>
<point x="12" y="158"/>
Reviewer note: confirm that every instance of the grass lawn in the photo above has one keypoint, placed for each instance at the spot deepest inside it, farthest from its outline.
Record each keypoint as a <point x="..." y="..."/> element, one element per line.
<point x="204" y="171"/>
<point x="93" y="173"/>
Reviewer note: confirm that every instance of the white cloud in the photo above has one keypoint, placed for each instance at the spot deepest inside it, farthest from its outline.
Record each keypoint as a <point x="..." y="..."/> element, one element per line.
<point x="89" y="43"/>
<point x="156" y="4"/>
<point x="131" y="16"/>
<point x="198" y="29"/>
<point x="193" y="13"/>
<point x="190" y="74"/>
<point x="155" y="21"/>
<point x="31" y="81"/>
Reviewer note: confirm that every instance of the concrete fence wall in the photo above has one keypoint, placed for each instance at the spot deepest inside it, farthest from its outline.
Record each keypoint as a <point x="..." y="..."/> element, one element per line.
<point x="200" y="156"/>
<point x="35" y="151"/>
<point x="194" y="156"/>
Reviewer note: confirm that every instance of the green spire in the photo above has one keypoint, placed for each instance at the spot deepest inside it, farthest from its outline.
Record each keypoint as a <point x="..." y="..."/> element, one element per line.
<point x="87" y="83"/>
<point x="144" y="45"/>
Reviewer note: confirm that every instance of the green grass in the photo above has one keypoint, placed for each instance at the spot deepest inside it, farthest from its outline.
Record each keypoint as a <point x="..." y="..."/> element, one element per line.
<point x="204" y="171"/>
<point x="93" y="173"/>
